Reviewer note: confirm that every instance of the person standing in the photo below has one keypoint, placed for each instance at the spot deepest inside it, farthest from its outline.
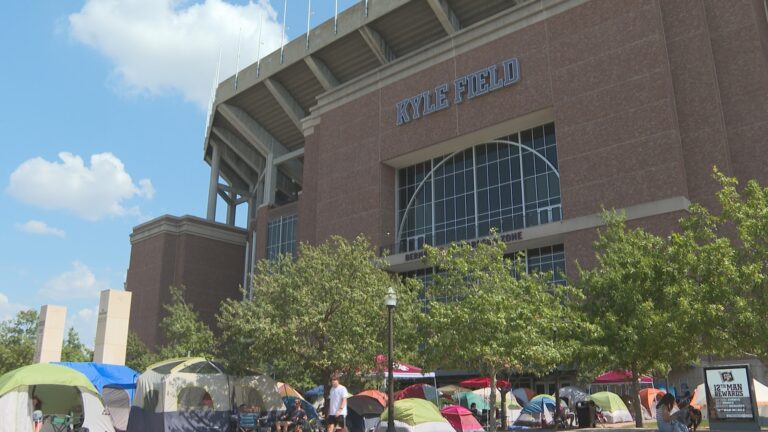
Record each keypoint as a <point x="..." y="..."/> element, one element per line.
<point x="337" y="406"/>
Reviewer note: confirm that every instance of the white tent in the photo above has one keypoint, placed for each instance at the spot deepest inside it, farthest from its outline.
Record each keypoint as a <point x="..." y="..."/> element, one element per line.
<point x="257" y="390"/>
<point x="181" y="395"/>
<point x="62" y="391"/>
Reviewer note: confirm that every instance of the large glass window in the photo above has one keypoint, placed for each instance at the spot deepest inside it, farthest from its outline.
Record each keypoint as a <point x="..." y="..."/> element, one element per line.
<point x="281" y="236"/>
<point x="507" y="184"/>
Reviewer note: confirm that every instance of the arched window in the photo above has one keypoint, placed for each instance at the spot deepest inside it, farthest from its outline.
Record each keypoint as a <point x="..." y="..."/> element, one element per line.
<point x="505" y="184"/>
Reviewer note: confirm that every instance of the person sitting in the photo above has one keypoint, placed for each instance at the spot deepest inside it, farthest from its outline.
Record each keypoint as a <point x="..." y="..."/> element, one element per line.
<point x="664" y="418"/>
<point x="296" y="416"/>
<point x="476" y="413"/>
<point x="37" y="414"/>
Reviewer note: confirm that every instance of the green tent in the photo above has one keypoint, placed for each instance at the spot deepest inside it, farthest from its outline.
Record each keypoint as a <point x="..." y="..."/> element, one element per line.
<point x="466" y="399"/>
<point x="415" y="411"/>
<point x="44" y="374"/>
<point x="613" y="408"/>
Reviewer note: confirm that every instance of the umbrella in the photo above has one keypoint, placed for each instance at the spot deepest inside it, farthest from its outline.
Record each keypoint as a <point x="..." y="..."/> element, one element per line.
<point x="648" y="399"/>
<point x="308" y="407"/>
<point x="466" y="400"/>
<point x="573" y="394"/>
<point x="482" y="382"/>
<point x="452" y="389"/>
<point x="286" y="390"/>
<point x="419" y="391"/>
<point x="368" y="402"/>
<point x="461" y="418"/>
<point x="523" y="395"/>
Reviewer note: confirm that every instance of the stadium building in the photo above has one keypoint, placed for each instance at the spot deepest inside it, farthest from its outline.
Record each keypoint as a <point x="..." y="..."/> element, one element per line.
<point x="431" y="121"/>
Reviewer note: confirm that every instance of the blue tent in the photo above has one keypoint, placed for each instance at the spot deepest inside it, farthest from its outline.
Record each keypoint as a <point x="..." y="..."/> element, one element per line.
<point x="115" y="383"/>
<point x="106" y="375"/>
<point x="537" y="404"/>
<point x="308" y="408"/>
<point x="315" y="392"/>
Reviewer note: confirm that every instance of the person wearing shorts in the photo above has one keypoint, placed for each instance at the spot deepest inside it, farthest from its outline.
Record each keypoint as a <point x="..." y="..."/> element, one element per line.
<point x="337" y="406"/>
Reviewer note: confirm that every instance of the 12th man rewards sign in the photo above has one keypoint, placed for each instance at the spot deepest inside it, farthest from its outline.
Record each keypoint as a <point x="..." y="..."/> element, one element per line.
<point x="728" y="393"/>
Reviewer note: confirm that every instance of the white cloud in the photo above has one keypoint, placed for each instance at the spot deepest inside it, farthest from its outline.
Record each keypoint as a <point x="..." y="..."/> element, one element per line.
<point x="161" y="45"/>
<point x="79" y="282"/>
<point x="91" y="192"/>
<point x="8" y="310"/>
<point x="40" y="228"/>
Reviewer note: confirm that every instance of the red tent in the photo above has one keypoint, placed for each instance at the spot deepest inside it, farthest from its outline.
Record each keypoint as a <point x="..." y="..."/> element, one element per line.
<point x="461" y="418"/>
<point x="419" y="391"/>
<point x="620" y="376"/>
<point x="483" y="382"/>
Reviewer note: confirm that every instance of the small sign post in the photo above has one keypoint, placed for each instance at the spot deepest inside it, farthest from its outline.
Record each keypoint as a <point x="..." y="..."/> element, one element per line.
<point x="731" y="403"/>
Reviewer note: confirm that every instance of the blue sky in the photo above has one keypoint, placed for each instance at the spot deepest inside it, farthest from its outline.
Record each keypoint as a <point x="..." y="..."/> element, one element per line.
<point x="102" y="128"/>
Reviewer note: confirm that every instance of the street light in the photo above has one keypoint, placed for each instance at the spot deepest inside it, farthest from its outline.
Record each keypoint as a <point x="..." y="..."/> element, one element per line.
<point x="390" y="301"/>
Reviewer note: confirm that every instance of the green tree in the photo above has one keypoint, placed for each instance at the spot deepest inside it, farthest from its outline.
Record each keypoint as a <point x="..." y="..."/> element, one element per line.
<point x="730" y="256"/>
<point x="73" y="350"/>
<point x="185" y="334"/>
<point x="486" y="313"/>
<point x="641" y="304"/>
<point x="17" y="341"/>
<point x="137" y="355"/>
<point x="318" y="314"/>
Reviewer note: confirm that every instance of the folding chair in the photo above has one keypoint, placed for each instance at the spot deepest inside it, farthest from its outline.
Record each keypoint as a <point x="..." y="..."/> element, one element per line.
<point x="247" y="422"/>
<point x="60" y="423"/>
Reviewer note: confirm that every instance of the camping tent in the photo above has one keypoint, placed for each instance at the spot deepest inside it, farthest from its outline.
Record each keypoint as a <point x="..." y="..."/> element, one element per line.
<point x="699" y="400"/>
<point x="416" y="415"/>
<point x="257" y="390"/>
<point x="364" y="410"/>
<point x="181" y="394"/>
<point x="115" y="383"/>
<point x="59" y="388"/>
<point x="461" y="418"/>
<point x="466" y="399"/>
<point x="538" y="407"/>
<point x="421" y="391"/>
<point x="648" y="401"/>
<point x="523" y="395"/>
<point x="613" y="408"/>
<point x="286" y="390"/>
<point x="573" y="395"/>
<point x="452" y="389"/>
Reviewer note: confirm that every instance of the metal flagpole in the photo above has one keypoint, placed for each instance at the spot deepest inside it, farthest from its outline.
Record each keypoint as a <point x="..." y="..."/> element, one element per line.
<point x="237" y="57"/>
<point x="309" y="13"/>
<point x="336" y="17"/>
<point x="282" y="34"/>
<point x="258" y="48"/>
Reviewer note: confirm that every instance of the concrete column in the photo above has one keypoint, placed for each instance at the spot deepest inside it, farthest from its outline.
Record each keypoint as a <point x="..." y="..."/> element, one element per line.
<point x="270" y="180"/>
<point x="213" y="186"/>
<point x="231" y="209"/>
<point x="50" y="333"/>
<point x="112" y="327"/>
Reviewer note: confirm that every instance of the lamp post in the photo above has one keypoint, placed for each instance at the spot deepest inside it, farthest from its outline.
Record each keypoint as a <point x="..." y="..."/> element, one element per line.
<point x="390" y="301"/>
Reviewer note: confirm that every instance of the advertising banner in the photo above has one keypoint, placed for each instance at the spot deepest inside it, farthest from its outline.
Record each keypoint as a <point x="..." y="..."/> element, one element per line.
<point x="730" y="397"/>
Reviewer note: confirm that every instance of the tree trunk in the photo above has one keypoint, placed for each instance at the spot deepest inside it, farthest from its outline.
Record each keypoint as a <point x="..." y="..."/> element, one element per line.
<point x="638" y="412"/>
<point x="492" y="410"/>
<point x="504" y="409"/>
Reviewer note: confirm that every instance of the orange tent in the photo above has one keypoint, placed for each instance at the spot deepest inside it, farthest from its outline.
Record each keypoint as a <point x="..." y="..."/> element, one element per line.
<point x="381" y="397"/>
<point x="648" y="399"/>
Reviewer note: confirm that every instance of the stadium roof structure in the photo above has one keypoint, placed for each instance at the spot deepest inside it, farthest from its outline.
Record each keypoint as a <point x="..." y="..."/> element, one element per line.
<point x="256" y="128"/>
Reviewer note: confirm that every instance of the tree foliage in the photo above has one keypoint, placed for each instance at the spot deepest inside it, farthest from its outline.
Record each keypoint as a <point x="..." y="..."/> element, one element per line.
<point x="137" y="355"/>
<point x="73" y="350"/>
<point x="17" y="341"/>
<point x="486" y="313"/>
<point x="185" y="334"/>
<point x="318" y="314"/>
<point x="733" y="267"/>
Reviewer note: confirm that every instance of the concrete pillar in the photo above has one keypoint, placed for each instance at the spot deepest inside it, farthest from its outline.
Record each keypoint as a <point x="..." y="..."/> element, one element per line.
<point x="270" y="180"/>
<point x="112" y="327"/>
<point x="50" y="333"/>
<point x="213" y="186"/>
<point x="231" y="209"/>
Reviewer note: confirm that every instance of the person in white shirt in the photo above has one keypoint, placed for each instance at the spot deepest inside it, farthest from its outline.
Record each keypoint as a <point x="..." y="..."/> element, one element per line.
<point x="337" y="406"/>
